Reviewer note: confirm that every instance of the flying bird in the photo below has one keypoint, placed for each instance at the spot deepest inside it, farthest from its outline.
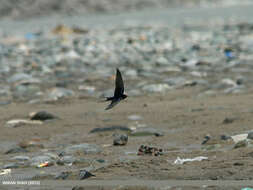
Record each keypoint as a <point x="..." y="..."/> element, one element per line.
<point x="118" y="92"/>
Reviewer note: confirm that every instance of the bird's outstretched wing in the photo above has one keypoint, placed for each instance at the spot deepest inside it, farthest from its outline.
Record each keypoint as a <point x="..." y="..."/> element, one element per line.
<point x="119" y="85"/>
<point x="113" y="103"/>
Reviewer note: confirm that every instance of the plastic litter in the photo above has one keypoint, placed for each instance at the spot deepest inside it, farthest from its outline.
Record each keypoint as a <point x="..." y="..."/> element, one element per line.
<point x="240" y="137"/>
<point x="45" y="164"/>
<point x="183" y="160"/>
<point x="5" y="172"/>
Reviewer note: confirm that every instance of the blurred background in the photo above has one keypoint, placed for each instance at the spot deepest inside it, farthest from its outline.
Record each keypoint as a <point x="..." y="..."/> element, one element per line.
<point x="18" y="9"/>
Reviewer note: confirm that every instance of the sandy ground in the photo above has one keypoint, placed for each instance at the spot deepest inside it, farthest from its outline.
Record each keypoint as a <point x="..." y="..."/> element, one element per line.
<point x="184" y="119"/>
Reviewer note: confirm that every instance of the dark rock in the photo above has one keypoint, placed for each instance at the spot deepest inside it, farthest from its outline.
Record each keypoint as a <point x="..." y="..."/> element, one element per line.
<point x="250" y="135"/>
<point x="84" y="174"/>
<point x="42" y="116"/>
<point x="15" y="150"/>
<point x="120" y="139"/>
<point x="146" y="131"/>
<point x="228" y="120"/>
<point x="225" y="137"/>
<point x="241" y="144"/>
<point x="10" y="166"/>
<point x="78" y="188"/>
<point x="112" y="128"/>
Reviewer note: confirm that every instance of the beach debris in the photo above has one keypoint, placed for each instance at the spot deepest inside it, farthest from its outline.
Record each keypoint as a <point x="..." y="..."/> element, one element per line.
<point x="5" y="172"/>
<point x="143" y="150"/>
<point x="45" y="164"/>
<point x="240" y="137"/>
<point x="184" y="160"/>
<point x="19" y="122"/>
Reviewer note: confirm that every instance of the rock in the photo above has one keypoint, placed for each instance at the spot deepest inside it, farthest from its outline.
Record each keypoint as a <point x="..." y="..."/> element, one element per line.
<point x="83" y="174"/>
<point x="112" y="128"/>
<point x="21" y="158"/>
<point x="26" y="91"/>
<point x="57" y="93"/>
<point x="83" y="148"/>
<point x="225" y="137"/>
<point x="41" y="115"/>
<point x="146" y="131"/>
<point x="34" y="143"/>
<point x="162" y="61"/>
<point x="131" y="73"/>
<point x="37" y="160"/>
<point x="156" y="88"/>
<point x="62" y="175"/>
<point x="69" y="160"/>
<point x="19" y="77"/>
<point x="120" y="139"/>
<point x="10" y="166"/>
<point x="78" y="188"/>
<point x="241" y="144"/>
<point x="228" y="120"/>
<point x="250" y="135"/>
<point x="16" y="150"/>
<point x="134" y="92"/>
<point x="89" y="89"/>
<point x="175" y="81"/>
<point x="134" y="117"/>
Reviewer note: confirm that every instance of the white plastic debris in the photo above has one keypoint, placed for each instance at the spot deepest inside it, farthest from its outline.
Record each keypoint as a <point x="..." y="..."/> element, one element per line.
<point x="183" y="160"/>
<point x="16" y="122"/>
<point x="5" y="171"/>
<point x="240" y="137"/>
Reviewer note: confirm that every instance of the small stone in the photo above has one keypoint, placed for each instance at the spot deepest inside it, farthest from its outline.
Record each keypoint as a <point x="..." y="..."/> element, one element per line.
<point x="57" y="93"/>
<point x="131" y="73"/>
<point x="66" y="160"/>
<point x="84" y="174"/>
<point x="250" y="135"/>
<point x="228" y="120"/>
<point x="146" y="131"/>
<point x="120" y="139"/>
<point x="10" y="166"/>
<point x="112" y="128"/>
<point x="21" y="158"/>
<point x="241" y="144"/>
<point x="225" y="137"/>
<point x="62" y="175"/>
<point x="84" y="148"/>
<point x="15" y="150"/>
<point x="156" y="87"/>
<point x="41" y="115"/>
<point x="134" y="117"/>
<point x="19" y="77"/>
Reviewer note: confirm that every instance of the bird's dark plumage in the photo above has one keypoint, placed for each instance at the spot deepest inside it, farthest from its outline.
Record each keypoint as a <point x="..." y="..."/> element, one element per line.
<point x="118" y="92"/>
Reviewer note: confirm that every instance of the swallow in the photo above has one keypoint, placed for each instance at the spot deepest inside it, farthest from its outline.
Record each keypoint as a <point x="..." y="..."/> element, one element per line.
<point x="118" y="92"/>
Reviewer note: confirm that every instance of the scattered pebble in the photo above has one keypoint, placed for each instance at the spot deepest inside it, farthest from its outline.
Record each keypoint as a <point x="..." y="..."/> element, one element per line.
<point x="120" y="139"/>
